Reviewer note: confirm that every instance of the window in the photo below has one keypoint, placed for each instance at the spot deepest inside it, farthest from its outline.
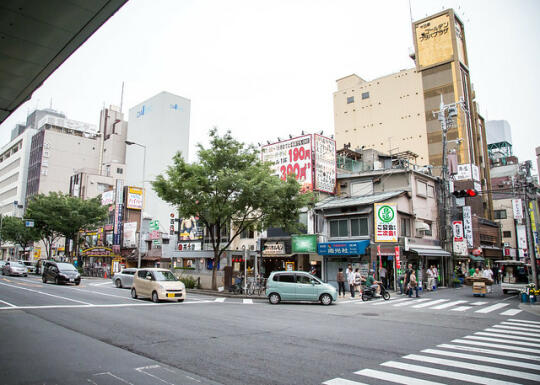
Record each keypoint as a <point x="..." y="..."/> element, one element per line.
<point x="339" y="228"/>
<point x="141" y="273"/>
<point x="350" y="99"/>
<point x="119" y="170"/>
<point x="430" y="191"/>
<point x="405" y="227"/>
<point x="421" y="188"/>
<point x="507" y="234"/>
<point x="247" y="234"/>
<point x="499" y="214"/>
<point x="285" y="278"/>
<point x="359" y="227"/>
<point x="303" y="279"/>
<point x="365" y="95"/>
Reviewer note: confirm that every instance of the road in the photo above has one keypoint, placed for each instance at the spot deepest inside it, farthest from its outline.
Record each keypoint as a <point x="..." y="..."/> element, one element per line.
<point x="96" y="334"/>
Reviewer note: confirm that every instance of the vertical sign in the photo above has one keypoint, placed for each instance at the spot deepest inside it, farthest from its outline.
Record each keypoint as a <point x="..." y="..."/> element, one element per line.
<point x="118" y="215"/>
<point x="324" y="153"/>
<point x="467" y="225"/>
<point x="517" y="208"/>
<point x="385" y="222"/>
<point x="458" y="230"/>
<point x="398" y="261"/>
<point x="521" y="235"/>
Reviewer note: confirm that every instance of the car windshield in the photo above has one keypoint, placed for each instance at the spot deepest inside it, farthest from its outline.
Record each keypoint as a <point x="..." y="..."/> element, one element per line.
<point x="164" y="276"/>
<point x="16" y="264"/>
<point x="66" y="267"/>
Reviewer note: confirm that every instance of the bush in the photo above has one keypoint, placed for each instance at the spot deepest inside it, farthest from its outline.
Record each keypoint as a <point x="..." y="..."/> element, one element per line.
<point x="184" y="268"/>
<point x="188" y="281"/>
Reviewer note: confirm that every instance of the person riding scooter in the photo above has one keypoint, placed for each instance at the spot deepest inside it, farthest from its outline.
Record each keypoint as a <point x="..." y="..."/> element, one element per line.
<point x="373" y="284"/>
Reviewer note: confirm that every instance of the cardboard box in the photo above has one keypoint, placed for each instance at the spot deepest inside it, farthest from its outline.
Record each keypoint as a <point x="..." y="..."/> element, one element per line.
<point x="479" y="288"/>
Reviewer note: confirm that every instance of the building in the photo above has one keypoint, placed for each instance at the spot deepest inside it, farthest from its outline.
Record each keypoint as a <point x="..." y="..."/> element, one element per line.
<point x="158" y="129"/>
<point x="394" y="113"/>
<point x="499" y="139"/>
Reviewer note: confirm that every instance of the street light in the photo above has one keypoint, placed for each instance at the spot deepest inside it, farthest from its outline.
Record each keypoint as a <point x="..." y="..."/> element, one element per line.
<point x="245" y="268"/>
<point x="130" y="143"/>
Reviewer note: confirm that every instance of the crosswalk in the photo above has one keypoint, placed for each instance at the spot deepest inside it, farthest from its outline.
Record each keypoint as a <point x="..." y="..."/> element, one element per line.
<point x="482" y="307"/>
<point x="506" y="353"/>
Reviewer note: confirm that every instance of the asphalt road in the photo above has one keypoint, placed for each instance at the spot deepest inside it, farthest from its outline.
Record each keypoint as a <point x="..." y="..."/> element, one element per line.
<point x="96" y="334"/>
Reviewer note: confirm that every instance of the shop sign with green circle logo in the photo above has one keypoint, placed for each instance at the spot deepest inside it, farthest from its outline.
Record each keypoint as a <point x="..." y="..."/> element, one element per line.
<point x="386" y="214"/>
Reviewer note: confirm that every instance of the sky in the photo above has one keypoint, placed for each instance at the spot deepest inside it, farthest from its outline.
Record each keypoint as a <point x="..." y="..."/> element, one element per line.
<point x="264" y="69"/>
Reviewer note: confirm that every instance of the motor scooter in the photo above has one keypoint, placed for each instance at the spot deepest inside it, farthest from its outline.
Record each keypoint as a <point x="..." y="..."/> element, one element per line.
<point x="369" y="293"/>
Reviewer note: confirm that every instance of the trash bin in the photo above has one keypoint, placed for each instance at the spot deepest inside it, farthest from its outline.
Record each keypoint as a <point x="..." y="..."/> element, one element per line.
<point x="524" y="297"/>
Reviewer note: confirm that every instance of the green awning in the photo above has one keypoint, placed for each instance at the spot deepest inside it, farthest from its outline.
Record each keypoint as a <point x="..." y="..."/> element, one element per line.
<point x="475" y="258"/>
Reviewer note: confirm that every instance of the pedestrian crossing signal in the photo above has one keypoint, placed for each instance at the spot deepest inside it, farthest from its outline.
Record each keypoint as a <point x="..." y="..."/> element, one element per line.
<point x="470" y="193"/>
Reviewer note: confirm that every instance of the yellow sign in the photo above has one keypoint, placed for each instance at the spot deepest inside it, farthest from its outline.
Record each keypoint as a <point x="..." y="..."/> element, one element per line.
<point x="37" y="252"/>
<point x="434" y="41"/>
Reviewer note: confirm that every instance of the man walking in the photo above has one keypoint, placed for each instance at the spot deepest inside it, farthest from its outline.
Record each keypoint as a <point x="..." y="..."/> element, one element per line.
<point x="350" y="279"/>
<point x="341" y="281"/>
<point x="407" y="278"/>
<point x="431" y="278"/>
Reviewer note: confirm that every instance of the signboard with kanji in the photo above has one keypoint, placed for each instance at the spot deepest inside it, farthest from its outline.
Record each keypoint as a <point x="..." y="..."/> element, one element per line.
<point x="385" y="222"/>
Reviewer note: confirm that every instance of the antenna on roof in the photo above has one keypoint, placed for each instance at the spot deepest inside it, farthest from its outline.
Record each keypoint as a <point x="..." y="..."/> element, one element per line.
<point x="410" y="11"/>
<point x="122" y="97"/>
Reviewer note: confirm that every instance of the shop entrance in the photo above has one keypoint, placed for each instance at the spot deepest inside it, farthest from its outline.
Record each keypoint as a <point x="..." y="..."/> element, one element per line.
<point x="270" y="264"/>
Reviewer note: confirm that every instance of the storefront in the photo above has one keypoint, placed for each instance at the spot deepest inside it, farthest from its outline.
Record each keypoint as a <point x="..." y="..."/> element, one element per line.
<point x="305" y="248"/>
<point x="431" y="256"/>
<point x="340" y="254"/>
<point x="97" y="260"/>
<point x="277" y="256"/>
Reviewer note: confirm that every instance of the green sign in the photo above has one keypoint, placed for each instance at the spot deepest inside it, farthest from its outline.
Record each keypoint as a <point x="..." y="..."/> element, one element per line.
<point x="154" y="225"/>
<point x="304" y="243"/>
<point x="386" y="213"/>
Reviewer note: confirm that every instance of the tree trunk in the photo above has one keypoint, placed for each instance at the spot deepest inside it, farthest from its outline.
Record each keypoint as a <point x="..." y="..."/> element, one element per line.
<point x="214" y="269"/>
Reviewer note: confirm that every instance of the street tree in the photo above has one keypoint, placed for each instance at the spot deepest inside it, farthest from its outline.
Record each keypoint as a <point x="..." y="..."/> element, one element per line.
<point x="230" y="187"/>
<point x="14" y="230"/>
<point x="56" y="215"/>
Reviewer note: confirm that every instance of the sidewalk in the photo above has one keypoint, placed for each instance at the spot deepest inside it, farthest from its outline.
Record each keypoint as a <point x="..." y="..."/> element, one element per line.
<point x="531" y="308"/>
<point x="223" y="294"/>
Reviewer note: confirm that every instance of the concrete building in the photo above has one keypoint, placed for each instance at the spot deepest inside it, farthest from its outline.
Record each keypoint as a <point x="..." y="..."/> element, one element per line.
<point x="499" y="139"/>
<point x="394" y="113"/>
<point x="158" y="129"/>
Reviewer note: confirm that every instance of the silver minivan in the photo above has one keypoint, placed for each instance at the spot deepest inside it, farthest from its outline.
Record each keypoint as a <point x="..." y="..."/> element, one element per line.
<point x="298" y="286"/>
<point x="124" y="278"/>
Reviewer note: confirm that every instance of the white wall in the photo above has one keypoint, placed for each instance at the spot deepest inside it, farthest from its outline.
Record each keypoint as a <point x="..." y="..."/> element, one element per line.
<point x="161" y="123"/>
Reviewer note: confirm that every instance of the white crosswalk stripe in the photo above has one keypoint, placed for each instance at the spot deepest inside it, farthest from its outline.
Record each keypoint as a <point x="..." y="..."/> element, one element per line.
<point x="461" y="308"/>
<point x="447" y="305"/>
<point x="511" y="312"/>
<point x="495" y="352"/>
<point x="412" y="301"/>
<point x="491" y="308"/>
<point x="429" y="303"/>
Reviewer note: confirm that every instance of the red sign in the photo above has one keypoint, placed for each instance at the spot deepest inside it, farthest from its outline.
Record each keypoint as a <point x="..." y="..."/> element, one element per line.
<point x="398" y="262"/>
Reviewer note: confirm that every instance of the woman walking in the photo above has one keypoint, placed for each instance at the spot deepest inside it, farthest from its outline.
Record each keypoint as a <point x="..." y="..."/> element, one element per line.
<point x="341" y="281"/>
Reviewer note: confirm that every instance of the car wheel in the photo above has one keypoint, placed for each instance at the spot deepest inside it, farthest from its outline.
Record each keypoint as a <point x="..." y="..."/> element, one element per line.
<point x="78" y="283"/>
<point x="57" y="281"/>
<point x="386" y="296"/>
<point x="44" y="279"/>
<point x="26" y="275"/>
<point x="118" y="283"/>
<point x="326" y="299"/>
<point x="155" y="297"/>
<point x="181" y="300"/>
<point x="505" y="291"/>
<point x="364" y="297"/>
<point x="133" y="293"/>
<point x="274" y="298"/>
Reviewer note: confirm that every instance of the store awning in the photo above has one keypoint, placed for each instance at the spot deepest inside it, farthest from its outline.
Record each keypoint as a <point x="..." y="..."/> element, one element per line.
<point x="476" y="258"/>
<point x="431" y="252"/>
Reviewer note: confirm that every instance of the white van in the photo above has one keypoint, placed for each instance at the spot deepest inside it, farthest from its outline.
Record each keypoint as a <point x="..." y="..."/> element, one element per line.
<point x="158" y="284"/>
<point x="516" y="275"/>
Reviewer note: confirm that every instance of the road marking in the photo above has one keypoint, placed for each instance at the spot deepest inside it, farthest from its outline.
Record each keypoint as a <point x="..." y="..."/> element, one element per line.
<point x="524" y="321"/>
<point x="499" y="340"/>
<point x="478" y="303"/>
<point x="511" y="312"/>
<point x="113" y="376"/>
<point x="394" y="377"/>
<point x="490" y="345"/>
<point x="41" y="292"/>
<point x="392" y="301"/>
<point x="7" y="303"/>
<point x="342" y="381"/>
<point x="411" y="301"/>
<point x="359" y="300"/>
<point x="447" y="305"/>
<point x="490" y="351"/>
<point x="519" y="333"/>
<point x="430" y="303"/>
<point x="113" y="305"/>
<point x="100" y="284"/>
<point x="506" y="327"/>
<point x="506" y="336"/>
<point x="142" y="370"/>
<point x="475" y="367"/>
<point x="105" y="294"/>
<point x="461" y="308"/>
<point x="509" y="334"/>
<point x="491" y="308"/>
<point x="220" y="299"/>
<point x="444" y="373"/>
<point x="475" y="357"/>
<point x="520" y="324"/>
<point x="247" y="301"/>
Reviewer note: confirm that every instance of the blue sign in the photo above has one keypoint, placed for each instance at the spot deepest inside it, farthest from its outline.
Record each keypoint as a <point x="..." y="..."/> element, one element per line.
<point x="144" y="110"/>
<point x="176" y="107"/>
<point x="343" y="248"/>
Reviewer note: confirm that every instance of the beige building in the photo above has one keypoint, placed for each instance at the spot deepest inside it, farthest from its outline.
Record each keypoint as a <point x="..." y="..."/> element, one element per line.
<point x="394" y="113"/>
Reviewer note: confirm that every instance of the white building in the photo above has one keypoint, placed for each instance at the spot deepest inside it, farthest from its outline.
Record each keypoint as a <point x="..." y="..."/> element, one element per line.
<point x="158" y="129"/>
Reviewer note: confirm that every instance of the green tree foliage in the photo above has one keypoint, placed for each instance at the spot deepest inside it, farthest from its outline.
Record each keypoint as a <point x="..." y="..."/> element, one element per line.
<point x="15" y="231"/>
<point x="230" y="186"/>
<point x="56" y="215"/>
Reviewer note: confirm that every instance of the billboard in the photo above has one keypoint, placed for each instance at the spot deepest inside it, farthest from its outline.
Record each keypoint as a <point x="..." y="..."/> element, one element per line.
<point x="107" y="198"/>
<point x="324" y="153"/>
<point x="293" y="156"/>
<point x="304" y="243"/>
<point x="130" y="231"/>
<point x="385" y="222"/>
<point x="433" y="38"/>
<point x="134" y="198"/>
<point x="189" y="229"/>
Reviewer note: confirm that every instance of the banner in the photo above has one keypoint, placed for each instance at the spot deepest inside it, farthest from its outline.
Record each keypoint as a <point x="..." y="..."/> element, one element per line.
<point x="130" y="235"/>
<point x="385" y="222"/>
<point x="135" y="198"/>
<point x="304" y="243"/>
<point x="324" y="152"/>
<point x="457" y="227"/>
<point x="107" y="198"/>
<point x="189" y="229"/>
<point x="467" y="225"/>
<point x="517" y="208"/>
<point x="521" y="235"/>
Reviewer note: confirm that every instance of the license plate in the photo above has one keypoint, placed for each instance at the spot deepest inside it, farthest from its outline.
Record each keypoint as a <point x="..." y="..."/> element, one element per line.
<point x="170" y="295"/>
<point x="71" y="280"/>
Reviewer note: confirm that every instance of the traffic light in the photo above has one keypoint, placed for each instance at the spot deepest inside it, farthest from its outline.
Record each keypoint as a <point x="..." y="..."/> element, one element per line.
<point x="470" y="193"/>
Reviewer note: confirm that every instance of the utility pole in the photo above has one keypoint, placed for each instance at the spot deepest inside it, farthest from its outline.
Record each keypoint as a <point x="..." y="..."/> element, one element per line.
<point x="525" y="172"/>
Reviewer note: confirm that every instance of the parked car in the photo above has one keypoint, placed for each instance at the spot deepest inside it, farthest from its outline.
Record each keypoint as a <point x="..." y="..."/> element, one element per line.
<point x="40" y="265"/>
<point x="298" y="286"/>
<point x="2" y="263"/>
<point x="157" y="284"/>
<point x="60" y="272"/>
<point x="124" y="278"/>
<point x="30" y="266"/>
<point x="14" y="268"/>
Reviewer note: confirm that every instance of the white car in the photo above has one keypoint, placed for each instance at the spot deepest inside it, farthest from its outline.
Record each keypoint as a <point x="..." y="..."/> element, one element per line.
<point x="158" y="284"/>
<point x="124" y="278"/>
<point x="30" y="266"/>
<point x="14" y="268"/>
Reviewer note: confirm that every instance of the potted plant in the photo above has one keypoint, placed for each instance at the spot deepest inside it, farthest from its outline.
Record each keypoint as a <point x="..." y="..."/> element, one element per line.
<point x="456" y="282"/>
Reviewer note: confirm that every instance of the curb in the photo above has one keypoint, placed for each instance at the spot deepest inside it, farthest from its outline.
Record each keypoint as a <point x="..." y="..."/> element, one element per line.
<point x="223" y="294"/>
<point x="533" y="309"/>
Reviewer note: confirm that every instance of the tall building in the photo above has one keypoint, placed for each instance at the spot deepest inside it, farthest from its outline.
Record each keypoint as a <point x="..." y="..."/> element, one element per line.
<point x="499" y="141"/>
<point x="158" y="129"/>
<point x="394" y="113"/>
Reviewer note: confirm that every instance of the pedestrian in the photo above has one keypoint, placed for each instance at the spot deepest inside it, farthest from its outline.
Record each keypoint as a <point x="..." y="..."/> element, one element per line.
<point x="373" y="284"/>
<point x="383" y="273"/>
<point x="488" y="273"/>
<point x="413" y="284"/>
<point x="341" y="281"/>
<point x="430" y="279"/>
<point x="436" y="276"/>
<point x="358" y="281"/>
<point x="477" y="273"/>
<point x="350" y="280"/>
<point x="407" y="277"/>
<point x="471" y="271"/>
